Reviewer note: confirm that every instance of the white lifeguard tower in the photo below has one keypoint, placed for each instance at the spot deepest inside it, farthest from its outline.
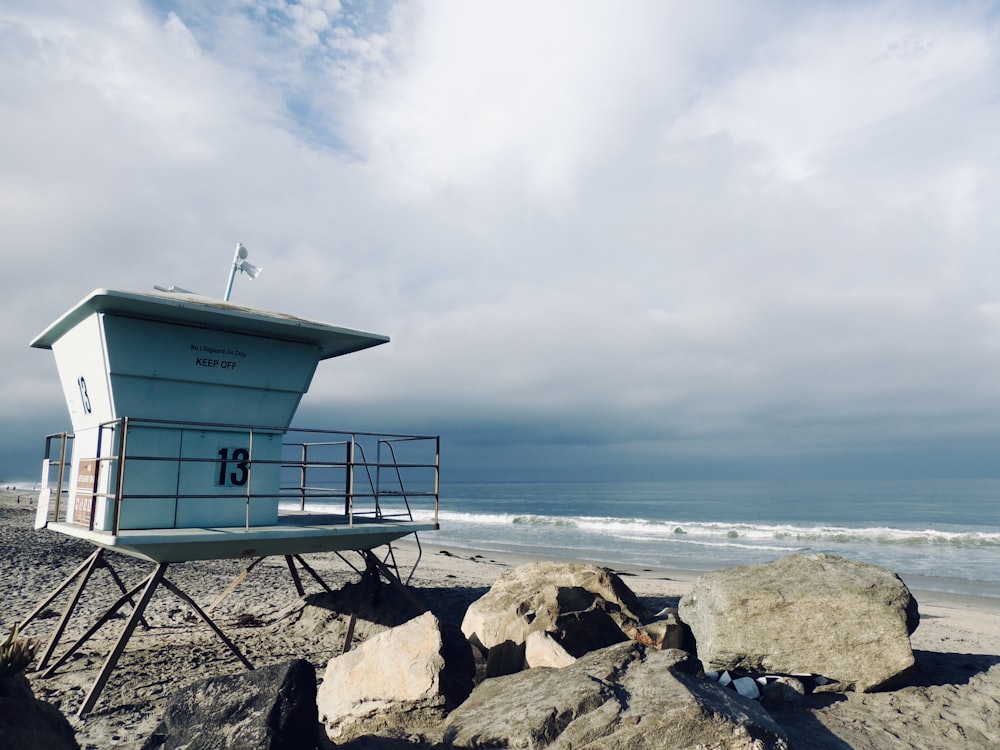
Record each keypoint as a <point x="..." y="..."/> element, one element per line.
<point x="182" y="449"/>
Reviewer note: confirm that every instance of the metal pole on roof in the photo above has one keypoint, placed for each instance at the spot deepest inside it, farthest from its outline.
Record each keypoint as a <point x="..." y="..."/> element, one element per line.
<point x="241" y="255"/>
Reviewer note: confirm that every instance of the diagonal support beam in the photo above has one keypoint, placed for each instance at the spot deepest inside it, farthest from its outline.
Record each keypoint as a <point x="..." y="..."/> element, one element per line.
<point x="60" y="588"/>
<point x="83" y="573"/>
<point x="295" y="576"/>
<point x="111" y="612"/>
<point x="147" y="593"/>
<point x="374" y="568"/>
<point x="208" y="621"/>
<point x="121" y="587"/>
<point x="232" y="586"/>
<point x="372" y="559"/>
<point x="313" y="573"/>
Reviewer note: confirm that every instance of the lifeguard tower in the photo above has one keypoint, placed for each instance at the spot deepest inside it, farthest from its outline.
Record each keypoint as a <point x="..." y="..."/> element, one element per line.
<point x="182" y="448"/>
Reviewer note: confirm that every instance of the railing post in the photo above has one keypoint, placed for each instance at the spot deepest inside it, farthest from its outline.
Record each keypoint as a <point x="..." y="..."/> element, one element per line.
<point x="119" y="480"/>
<point x="302" y="477"/>
<point x="437" y="474"/>
<point x="62" y="471"/>
<point x="349" y="490"/>
<point x="97" y="477"/>
<point x="377" y="489"/>
<point x="378" y="477"/>
<point x="249" y="478"/>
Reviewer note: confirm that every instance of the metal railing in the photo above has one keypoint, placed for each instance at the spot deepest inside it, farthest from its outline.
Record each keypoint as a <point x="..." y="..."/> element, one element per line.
<point x="362" y="476"/>
<point x="365" y="486"/>
<point x="59" y="466"/>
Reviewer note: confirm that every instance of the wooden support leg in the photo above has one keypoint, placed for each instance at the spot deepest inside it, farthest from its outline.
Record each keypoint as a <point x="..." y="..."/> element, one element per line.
<point x="349" y="636"/>
<point x="371" y="578"/>
<point x="373" y="561"/>
<point x="314" y="574"/>
<point x="121" y="587"/>
<point x="83" y="572"/>
<point x="232" y="587"/>
<point x="147" y="593"/>
<point x="348" y="563"/>
<point x="60" y="588"/>
<point x="369" y="587"/>
<point x="295" y="576"/>
<point x="126" y="597"/>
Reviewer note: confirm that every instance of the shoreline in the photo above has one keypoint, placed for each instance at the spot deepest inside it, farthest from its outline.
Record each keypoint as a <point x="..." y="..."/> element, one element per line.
<point x="923" y="587"/>
<point x="957" y="645"/>
<point x="980" y="596"/>
<point x="944" y="586"/>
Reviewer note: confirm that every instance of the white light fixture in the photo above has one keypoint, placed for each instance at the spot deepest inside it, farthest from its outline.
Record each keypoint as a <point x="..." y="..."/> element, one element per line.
<point x="240" y="263"/>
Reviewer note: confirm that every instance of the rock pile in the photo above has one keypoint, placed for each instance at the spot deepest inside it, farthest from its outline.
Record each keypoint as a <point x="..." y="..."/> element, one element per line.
<point x="568" y="658"/>
<point x="621" y="696"/>
<point x="570" y="609"/>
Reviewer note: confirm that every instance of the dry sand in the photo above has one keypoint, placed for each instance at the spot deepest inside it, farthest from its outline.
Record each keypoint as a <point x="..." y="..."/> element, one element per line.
<point x="954" y="701"/>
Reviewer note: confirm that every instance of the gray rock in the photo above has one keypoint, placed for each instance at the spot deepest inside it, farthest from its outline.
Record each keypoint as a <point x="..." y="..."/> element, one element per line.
<point x="397" y="683"/>
<point x="26" y="722"/>
<point x="583" y="607"/>
<point x="820" y="614"/>
<point x="271" y="708"/>
<point x="747" y="687"/>
<point x="623" y="696"/>
<point x="542" y="650"/>
<point x="783" y="693"/>
<point x="666" y="632"/>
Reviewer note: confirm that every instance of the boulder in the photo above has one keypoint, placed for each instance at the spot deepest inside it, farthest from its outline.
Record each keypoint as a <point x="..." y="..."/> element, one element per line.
<point x="271" y="708"/>
<point x="542" y="650"/>
<point x="848" y="621"/>
<point x="623" y="696"/>
<point x="396" y="682"/>
<point x="583" y="607"/>
<point x="28" y="722"/>
<point x="783" y="693"/>
<point x="666" y="632"/>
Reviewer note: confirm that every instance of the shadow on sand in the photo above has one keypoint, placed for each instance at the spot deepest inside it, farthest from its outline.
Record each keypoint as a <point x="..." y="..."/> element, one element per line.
<point x="935" y="668"/>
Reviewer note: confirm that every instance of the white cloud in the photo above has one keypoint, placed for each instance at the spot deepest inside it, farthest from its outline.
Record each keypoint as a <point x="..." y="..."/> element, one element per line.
<point x="523" y="94"/>
<point x="723" y="225"/>
<point x="809" y="90"/>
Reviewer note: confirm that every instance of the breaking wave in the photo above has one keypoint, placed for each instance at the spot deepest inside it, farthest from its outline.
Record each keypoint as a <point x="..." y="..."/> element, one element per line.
<point x="753" y="533"/>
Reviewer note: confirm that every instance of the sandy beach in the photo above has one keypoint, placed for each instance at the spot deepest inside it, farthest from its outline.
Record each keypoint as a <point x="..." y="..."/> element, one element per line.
<point x="953" y="701"/>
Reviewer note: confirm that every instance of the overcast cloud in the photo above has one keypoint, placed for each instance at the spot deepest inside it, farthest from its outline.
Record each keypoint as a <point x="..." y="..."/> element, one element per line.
<point x="641" y="239"/>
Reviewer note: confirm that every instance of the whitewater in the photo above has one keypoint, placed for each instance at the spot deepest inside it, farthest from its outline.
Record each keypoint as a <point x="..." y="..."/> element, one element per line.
<point x="938" y="534"/>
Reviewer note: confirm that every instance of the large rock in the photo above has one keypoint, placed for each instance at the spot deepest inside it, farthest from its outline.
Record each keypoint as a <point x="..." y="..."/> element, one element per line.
<point x="397" y="682"/>
<point x="625" y="696"/>
<point x="820" y="614"/>
<point x="271" y="708"/>
<point x="542" y="650"/>
<point x="582" y="607"/>
<point x="26" y="722"/>
<point x="667" y="632"/>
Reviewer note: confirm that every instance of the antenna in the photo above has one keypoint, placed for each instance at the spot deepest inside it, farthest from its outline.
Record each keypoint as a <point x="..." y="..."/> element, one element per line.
<point x="240" y="263"/>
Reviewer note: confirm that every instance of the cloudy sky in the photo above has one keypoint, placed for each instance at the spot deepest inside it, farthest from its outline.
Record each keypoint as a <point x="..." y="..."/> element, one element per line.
<point x="619" y="239"/>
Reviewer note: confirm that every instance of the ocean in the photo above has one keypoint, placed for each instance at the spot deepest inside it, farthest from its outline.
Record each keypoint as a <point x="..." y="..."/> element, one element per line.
<point x="941" y="535"/>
